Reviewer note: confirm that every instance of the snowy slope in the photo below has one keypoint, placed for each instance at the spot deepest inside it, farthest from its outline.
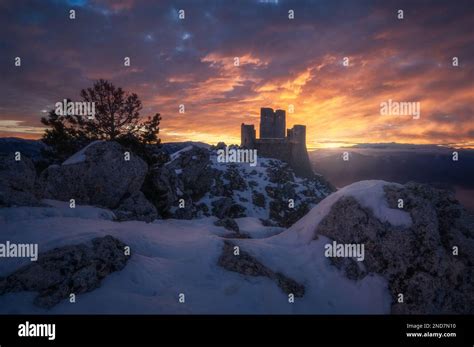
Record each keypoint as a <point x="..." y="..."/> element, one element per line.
<point x="180" y="256"/>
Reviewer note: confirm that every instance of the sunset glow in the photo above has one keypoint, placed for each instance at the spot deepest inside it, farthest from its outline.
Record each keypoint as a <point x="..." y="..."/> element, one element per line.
<point x="282" y="62"/>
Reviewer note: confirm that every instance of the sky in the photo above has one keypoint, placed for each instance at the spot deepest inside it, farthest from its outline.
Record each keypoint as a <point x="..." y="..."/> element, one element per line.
<point x="334" y="64"/>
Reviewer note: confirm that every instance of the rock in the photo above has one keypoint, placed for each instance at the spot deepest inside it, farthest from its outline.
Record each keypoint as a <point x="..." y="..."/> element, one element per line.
<point x="286" y="216"/>
<point x="235" y="180"/>
<point x="163" y="188"/>
<point x="71" y="269"/>
<point x="226" y="207"/>
<point x="279" y="174"/>
<point x="229" y="190"/>
<point x="231" y="225"/>
<point x="97" y="175"/>
<point x="221" y="207"/>
<point x="258" y="199"/>
<point x="417" y="261"/>
<point x="136" y="207"/>
<point x="188" y="176"/>
<point x="247" y="265"/>
<point x="194" y="170"/>
<point x="17" y="181"/>
<point x="227" y="223"/>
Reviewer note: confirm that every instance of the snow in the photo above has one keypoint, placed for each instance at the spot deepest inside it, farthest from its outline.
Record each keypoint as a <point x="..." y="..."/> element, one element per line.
<point x="180" y="256"/>
<point x="79" y="156"/>
<point x="61" y="209"/>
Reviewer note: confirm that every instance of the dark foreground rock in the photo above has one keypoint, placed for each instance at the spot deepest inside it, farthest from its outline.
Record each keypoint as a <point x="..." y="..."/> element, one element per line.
<point x="71" y="269"/>
<point x="247" y="265"/>
<point x="136" y="207"/>
<point x="17" y="181"/>
<point x="419" y="261"/>
<point x="98" y="175"/>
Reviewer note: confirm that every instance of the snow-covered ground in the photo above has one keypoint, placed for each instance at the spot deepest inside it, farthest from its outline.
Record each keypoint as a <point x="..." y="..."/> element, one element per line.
<point x="170" y="257"/>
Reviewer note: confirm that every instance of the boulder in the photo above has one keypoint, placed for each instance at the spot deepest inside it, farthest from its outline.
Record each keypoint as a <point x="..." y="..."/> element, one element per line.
<point x="192" y="166"/>
<point x="96" y="175"/>
<point x="247" y="265"/>
<point x="70" y="269"/>
<point x="228" y="223"/>
<point x="226" y="207"/>
<point x="417" y="261"/>
<point x="136" y="207"/>
<point x="17" y="181"/>
<point x="187" y="175"/>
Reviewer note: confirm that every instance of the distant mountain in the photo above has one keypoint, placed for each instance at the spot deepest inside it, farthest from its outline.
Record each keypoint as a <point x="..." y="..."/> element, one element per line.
<point x="400" y="163"/>
<point x="402" y="146"/>
<point x="30" y="148"/>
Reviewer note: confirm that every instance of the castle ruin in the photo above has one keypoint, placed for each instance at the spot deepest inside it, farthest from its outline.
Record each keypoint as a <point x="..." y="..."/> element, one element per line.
<point x="273" y="142"/>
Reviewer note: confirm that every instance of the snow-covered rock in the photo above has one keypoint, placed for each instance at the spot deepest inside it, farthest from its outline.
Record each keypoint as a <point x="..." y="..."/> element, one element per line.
<point x="412" y="247"/>
<point x="194" y="184"/>
<point x="97" y="175"/>
<point x="72" y="269"/>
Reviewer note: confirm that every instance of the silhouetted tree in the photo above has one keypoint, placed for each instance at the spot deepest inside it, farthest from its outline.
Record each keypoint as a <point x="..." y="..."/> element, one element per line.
<point x="117" y="118"/>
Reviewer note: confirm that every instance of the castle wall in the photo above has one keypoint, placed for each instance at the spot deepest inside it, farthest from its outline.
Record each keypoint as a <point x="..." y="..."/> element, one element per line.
<point x="273" y="148"/>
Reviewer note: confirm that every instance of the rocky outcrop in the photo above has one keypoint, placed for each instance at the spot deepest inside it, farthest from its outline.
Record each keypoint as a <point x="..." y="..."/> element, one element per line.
<point x="227" y="208"/>
<point x="136" y="207"/>
<point x="228" y="223"/>
<point x="97" y="175"/>
<point x="233" y="227"/>
<point x="184" y="182"/>
<point x="17" y="181"/>
<point x="194" y="184"/>
<point x="67" y="270"/>
<point x="247" y="265"/>
<point x="421" y="261"/>
<point x="185" y="178"/>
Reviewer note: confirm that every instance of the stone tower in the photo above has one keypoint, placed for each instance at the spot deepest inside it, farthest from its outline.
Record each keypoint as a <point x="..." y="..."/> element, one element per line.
<point x="279" y="124"/>
<point x="272" y="124"/>
<point x="247" y="135"/>
<point x="299" y="158"/>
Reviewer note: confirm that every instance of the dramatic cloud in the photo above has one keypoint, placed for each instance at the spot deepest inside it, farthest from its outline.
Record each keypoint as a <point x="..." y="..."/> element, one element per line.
<point x="282" y="62"/>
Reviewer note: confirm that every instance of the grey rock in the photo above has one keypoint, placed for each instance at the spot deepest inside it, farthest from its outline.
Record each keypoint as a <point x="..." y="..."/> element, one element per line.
<point x="247" y="265"/>
<point x="227" y="223"/>
<point x="417" y="261"/>
<point x="136" y="207"/>
<point x="71" y="269"/>
<point x="104" y="178"/>
<point x="186" y="176"/>
<point x="226" y="207"/>
<point x="18" y="184"/>
<point x="258" y="199"/>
